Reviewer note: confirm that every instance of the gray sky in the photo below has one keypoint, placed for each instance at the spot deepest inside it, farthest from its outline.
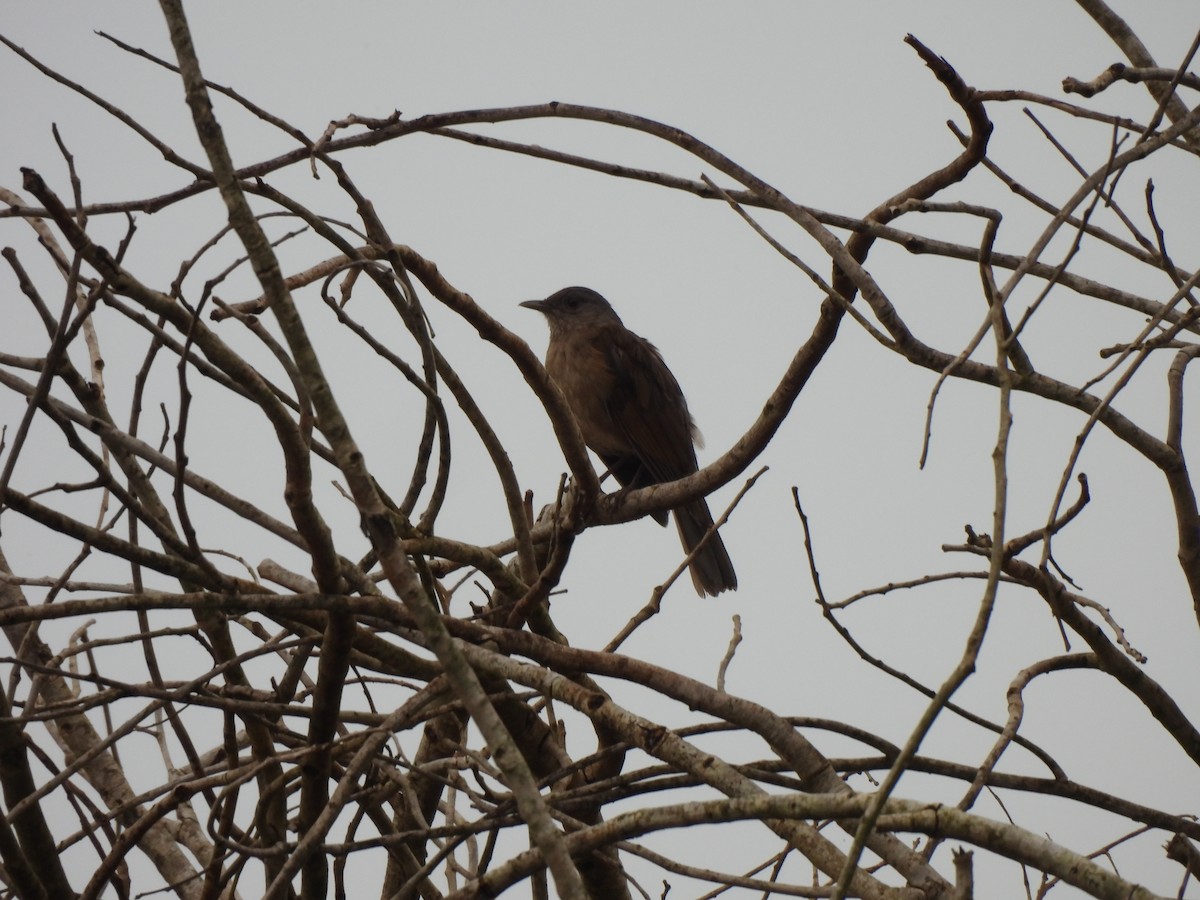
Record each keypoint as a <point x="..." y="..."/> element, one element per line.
<point x="824" y="101"/>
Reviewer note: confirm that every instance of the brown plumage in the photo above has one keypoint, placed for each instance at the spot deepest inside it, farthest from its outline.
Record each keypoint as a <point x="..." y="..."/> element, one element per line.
<point x="632" y="414"/>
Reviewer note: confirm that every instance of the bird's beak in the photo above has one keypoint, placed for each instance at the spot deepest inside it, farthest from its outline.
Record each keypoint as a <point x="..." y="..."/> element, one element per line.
<point x="539" y="305"/>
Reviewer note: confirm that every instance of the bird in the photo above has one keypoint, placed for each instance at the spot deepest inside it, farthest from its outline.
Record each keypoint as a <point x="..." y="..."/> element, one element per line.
<point x="632" y="414"/>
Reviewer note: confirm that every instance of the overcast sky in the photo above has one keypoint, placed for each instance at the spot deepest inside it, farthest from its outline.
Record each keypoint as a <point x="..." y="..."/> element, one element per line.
<point x="826" y="102"/>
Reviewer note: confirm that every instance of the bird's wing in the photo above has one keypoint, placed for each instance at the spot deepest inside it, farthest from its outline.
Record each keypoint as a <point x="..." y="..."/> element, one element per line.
<point x="647" y="406"/>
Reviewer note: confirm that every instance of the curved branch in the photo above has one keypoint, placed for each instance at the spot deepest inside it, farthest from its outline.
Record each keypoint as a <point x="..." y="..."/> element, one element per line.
<point x="1110" y="659"/>
<point x="908" y="816"/>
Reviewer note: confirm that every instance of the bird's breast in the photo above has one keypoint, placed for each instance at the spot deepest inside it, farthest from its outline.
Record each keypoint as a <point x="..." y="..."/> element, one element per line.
<point x="587" y="383"/>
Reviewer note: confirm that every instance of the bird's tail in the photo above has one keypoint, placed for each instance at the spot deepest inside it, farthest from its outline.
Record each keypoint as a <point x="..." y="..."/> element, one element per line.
<point x="712" y="569"/>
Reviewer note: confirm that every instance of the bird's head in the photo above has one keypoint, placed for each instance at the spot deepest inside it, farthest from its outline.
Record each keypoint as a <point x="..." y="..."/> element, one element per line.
<point x="573" y="307"/>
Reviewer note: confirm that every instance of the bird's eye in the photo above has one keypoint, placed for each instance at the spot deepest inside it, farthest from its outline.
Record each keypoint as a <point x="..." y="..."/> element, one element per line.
<point x="572" y="303"/>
